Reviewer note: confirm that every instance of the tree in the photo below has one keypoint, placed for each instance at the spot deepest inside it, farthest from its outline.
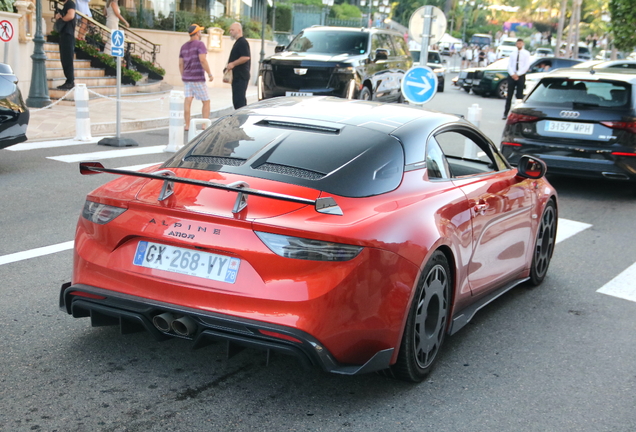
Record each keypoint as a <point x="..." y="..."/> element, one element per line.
<point x="622" y="26"/>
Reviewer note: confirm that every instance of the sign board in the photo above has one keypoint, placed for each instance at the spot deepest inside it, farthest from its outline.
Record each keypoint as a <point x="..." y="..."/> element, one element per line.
<point x="117" y="43"/>
<point x="438" y="25"/>
<point x="419" y="85"/>
<point x="6" y="31"/>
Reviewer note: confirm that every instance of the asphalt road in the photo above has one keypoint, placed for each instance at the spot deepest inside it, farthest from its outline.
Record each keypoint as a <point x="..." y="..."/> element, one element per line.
<point x="559" y="357"/>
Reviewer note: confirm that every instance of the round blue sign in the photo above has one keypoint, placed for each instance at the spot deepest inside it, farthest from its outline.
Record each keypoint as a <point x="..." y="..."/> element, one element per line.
<point x="419" y="85"/>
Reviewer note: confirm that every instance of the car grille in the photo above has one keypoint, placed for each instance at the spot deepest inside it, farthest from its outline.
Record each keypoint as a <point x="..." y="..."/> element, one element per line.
<point x="316" y="77"/>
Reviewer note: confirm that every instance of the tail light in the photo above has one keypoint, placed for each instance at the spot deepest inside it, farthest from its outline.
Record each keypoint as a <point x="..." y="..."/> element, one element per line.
<point x="511" y="144"/>
<point x="520" y="118"/>
<point x="624" y="154"/>
<point x="628" y="126"/>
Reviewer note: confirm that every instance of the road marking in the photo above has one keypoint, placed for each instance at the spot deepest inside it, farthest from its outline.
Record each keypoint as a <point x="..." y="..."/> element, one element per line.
<point x="33" y="253"/>
<point x="109" y="154"/>
<point x="568" y="228"/>
<point x="50" y="144"/>
<point x="622" y="286"/>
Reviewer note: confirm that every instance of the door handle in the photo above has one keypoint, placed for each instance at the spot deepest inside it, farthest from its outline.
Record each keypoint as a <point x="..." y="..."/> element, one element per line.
<point x="480" y="208"/>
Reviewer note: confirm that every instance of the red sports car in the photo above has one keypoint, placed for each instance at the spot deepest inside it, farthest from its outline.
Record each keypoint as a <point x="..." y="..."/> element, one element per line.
<point x="351" y="234"/>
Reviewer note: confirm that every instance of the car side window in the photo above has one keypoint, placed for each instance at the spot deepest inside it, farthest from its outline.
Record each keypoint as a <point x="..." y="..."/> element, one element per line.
<point x="436" y="163"/>
<point x="400" y="45"/>
<point x="465" y="156"/>
<point x="381" y="41"/>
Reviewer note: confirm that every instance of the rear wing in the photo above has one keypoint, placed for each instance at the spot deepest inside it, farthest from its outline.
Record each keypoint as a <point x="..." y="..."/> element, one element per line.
<point x="325" y="205"/>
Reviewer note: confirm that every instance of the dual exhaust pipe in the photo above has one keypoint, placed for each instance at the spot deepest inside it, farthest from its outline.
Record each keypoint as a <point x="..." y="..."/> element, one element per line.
<point x="183" y="326"/>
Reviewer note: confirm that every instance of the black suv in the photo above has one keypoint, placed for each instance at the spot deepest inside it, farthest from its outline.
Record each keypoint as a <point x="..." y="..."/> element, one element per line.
<point x="581" y="123"/>
<point x="352" y="63"/>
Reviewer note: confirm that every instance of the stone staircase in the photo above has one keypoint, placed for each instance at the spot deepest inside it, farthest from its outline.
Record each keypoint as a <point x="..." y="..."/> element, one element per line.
<point x="94" y="78"/>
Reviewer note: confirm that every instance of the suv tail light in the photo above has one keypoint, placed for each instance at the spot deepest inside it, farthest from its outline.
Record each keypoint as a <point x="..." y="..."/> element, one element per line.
<point x="628" y="126"/>
<point x="519" y="118"/>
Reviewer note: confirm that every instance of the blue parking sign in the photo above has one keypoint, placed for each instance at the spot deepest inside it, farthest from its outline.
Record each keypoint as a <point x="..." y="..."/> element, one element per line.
<point x="419" y="85"/>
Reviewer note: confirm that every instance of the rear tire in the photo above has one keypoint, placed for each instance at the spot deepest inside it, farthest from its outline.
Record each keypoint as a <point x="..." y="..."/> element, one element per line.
<point x="427" y="322"/>
<point x="502" y="89"/>
<point x="544" y="244"/>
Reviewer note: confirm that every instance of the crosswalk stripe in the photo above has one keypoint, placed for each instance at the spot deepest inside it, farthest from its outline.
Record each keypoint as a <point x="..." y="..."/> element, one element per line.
<point x="622" y="286"/>
<point x="108" y="154"/>
<point x="33" y="253"/>
<point x="139" y="167"/>
<point x="50" y="144"/>
<point x="568" y="228"/>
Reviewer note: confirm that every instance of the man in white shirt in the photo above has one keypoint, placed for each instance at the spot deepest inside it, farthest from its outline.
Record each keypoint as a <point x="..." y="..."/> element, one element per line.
<point x="518" y="65"/>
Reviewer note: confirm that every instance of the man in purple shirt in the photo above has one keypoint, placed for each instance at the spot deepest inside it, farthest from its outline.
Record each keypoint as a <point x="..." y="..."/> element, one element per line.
<point x="193" y="64"/>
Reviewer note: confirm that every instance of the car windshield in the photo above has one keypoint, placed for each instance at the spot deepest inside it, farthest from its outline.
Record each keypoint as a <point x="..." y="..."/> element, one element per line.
<point x="480" y="40"/>
<point x="434" y="57"/>
<point x="572" y="93"/>
<point x="509" y="43"/>
<point x="330" y="42"/>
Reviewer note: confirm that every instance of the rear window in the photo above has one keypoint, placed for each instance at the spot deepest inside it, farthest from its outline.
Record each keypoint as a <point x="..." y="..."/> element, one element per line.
<point x="434" y="57"/>
<point x="331" y="42"/>
<point x="571" y="92"/>
<point x="340" y="159"/>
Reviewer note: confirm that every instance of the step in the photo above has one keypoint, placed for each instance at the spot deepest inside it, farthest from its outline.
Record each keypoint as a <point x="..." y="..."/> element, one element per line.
<point x="56" y="64"/>
<point x="51" y="46"/>
<point x="89" y="81"/>
<point x="79" y="72"/>
<point x="110" y="91"/>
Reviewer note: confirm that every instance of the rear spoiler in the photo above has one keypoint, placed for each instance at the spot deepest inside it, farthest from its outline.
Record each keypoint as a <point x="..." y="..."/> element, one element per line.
<point x="325" y="205"/>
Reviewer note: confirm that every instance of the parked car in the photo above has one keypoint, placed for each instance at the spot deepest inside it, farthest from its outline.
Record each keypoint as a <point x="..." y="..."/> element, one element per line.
<point x="350" y="234"/>
<point x="507" y="47"/>
<point x="607" y="55"/>
<point x="464" y="79"/>
<point x="493" y="81"/>
<point x="579" y="123"/>
<point x="540" y="68"/>
<point x="435" y="63"/>
<point x="351" y="63"/>
<point x="610" y="64"/>
<point x="14" y="114"/>
<point x="584" y="51"/>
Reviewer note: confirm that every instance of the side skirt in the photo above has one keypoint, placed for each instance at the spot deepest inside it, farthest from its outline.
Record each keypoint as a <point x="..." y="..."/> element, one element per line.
<point x="464" y="316"/>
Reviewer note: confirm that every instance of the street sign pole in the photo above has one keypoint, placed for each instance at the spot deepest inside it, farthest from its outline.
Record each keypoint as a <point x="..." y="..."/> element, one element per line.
<point x="117" y="40"/>
<point x="426" y="35"/>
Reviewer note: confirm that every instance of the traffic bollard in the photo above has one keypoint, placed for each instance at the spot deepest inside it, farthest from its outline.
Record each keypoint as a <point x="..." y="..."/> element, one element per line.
<point x="175" y="126"/>
<point x="194" y="131"/>
<point x="473" y="116"/>
<point x="82" y="119"/>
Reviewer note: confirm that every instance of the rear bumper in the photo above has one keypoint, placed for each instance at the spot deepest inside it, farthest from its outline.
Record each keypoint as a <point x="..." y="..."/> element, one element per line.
<point x="610" y="167"/>
<point x="135" y="314"/>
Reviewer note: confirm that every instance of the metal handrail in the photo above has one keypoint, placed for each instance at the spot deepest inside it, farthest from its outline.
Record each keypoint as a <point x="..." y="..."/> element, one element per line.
<point x="135" y="44"/>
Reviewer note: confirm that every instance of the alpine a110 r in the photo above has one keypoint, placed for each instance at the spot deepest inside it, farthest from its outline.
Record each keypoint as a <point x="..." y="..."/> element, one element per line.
<point x="351" y="234"/>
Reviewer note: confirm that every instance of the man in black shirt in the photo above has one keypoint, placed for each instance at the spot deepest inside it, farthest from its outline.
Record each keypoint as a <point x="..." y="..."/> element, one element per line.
<point x="67" y="42"/>
<point x="239" y="64"/>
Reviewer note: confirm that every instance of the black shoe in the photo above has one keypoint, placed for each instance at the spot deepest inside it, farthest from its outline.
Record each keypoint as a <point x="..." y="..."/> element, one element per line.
<point x="66" y="86"/>
<point x="505" y="117"/>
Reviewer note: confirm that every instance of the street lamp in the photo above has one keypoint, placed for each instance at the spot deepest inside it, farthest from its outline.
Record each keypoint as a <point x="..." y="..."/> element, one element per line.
<point x="326" y="5"/>
<point x="38" y="92"/>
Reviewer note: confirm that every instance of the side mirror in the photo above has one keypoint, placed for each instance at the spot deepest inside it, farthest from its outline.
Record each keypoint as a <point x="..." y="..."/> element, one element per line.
<point x="279" y="48"/>
<point x="531" y="167"/>
<point x="381" y="54"/>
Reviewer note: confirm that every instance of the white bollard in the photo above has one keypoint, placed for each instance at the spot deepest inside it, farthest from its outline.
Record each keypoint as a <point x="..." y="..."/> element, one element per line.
<point x="194" y="131"/>
<point x="175" y="127"/>
<point x="82" y="119"/>
<point x="473" y="116"/>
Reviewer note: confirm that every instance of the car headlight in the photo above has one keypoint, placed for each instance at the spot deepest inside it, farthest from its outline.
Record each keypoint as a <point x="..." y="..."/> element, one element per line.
<point x="344" y="70"/>
<point x="100" y="213"/>
<point x="266" y="66"/>
<point x="308" y="249"/>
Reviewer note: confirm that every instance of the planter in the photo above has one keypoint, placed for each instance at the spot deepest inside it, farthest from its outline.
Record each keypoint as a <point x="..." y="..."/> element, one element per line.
<point x="154" y="76"/>
<point x="82" y="55"/>
<point x="126" y="80"/>
<point x="53" y="38"/>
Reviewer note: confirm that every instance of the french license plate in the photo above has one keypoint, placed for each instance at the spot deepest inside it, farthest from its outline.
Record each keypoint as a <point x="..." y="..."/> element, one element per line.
<point x="186" y="261"/>
<point x="298" y="94"/>
<point x="569" y="127"/>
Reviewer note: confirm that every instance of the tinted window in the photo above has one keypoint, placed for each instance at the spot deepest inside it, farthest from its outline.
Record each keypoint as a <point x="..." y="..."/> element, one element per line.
<point x="332" y="42"/>
<point x="436" y="163"/>
<point x="569" y="92"/>
<point x="339" y="159"/>
<point x="400" y="46"/>
<point x="434" y="57"/>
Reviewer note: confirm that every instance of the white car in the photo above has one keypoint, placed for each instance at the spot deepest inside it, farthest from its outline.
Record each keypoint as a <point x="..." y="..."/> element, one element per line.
<point x="544" y="52"/>
<point x="507" y="47"/>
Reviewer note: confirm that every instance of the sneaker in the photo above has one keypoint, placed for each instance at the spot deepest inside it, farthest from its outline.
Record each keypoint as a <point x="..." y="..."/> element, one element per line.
<point x="66" y="86"/>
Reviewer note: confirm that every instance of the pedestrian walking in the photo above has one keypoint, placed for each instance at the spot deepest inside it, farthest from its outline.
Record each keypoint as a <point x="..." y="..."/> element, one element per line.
<point x="65" y="26"/>
<point x="113" y="15"/>
<point x="518" y="65"/>
<point x="239" y="63"/>
<point x="193" y="65"/>
<point x="84" y="8"/>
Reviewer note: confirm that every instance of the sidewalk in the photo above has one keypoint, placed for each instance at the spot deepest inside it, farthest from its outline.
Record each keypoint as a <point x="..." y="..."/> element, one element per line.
<point x="137" y="113"/>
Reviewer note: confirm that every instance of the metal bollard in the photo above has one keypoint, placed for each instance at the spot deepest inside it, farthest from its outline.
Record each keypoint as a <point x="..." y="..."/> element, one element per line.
<point x="82" y="119"/>
<point x="193" y="127"/>
<point x="473" y="116"/>
<point x="175" y="127"/>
